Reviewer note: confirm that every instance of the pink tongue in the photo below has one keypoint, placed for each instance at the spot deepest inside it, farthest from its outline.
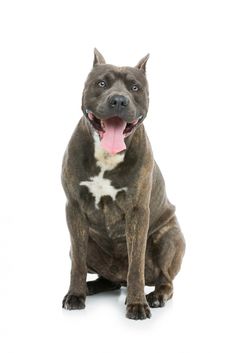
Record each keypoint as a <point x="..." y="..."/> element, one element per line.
<point x="113" y="138"/>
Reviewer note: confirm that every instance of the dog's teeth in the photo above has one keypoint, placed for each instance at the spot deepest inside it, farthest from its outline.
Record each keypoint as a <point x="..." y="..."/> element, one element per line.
<point x="90" y="115"/>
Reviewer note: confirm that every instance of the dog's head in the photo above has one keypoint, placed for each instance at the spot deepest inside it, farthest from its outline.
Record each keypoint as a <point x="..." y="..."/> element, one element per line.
<point x="115" y="101"/>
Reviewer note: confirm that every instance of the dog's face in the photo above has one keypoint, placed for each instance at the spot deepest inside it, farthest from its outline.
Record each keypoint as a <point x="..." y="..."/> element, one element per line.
<point x="115" y="101"/>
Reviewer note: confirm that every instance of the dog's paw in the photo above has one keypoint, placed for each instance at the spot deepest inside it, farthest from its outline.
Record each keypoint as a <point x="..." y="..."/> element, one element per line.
<point x="138" y="311"/>
<point x="73" y="302"/>
<point x="156" y="300"/>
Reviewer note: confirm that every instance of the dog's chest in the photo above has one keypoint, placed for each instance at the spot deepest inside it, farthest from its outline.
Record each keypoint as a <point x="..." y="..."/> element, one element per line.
<point x="97" y="185"/>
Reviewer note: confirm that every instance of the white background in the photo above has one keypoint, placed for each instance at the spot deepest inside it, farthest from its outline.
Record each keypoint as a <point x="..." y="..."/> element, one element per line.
<point x="46" y="54"/>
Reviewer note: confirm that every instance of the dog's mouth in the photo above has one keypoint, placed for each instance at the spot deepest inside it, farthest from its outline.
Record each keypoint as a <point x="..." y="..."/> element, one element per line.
<point x="113" y="131"/>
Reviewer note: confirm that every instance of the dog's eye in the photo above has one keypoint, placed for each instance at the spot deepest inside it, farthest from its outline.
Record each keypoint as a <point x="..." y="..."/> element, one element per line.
<point x="101" y="84"/>
<point x="134" y="88"/>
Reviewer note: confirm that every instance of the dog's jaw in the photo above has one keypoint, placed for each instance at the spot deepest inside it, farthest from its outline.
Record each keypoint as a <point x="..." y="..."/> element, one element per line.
<point x="112" y="131"/>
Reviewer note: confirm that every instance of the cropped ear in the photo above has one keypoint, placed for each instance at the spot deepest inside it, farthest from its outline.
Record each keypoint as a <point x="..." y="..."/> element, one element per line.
<point x="98" y="58"/>
<point x="142" y="63"/>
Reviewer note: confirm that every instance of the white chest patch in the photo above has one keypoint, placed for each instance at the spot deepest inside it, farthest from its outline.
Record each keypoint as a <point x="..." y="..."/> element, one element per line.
<point x="98" y="185"/>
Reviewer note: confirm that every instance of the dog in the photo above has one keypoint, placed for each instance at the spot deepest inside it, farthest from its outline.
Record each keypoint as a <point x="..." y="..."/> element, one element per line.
<point x="122" y="226"/>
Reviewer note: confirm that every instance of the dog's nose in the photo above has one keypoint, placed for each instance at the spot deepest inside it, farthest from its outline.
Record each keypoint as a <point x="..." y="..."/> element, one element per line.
<point x="118" y="102"/>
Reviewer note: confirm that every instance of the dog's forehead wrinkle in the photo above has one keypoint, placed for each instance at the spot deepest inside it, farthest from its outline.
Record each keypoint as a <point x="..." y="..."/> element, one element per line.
<point x="132" y="78"/>
<point x="109" y="76"/>
<point x="117" y="72"/>
<point x="127" y="75"/>
<point x="119" y="85"/>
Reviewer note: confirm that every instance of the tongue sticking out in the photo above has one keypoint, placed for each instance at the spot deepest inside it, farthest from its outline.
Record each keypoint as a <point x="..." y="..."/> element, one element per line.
<point x="113" y="138"/>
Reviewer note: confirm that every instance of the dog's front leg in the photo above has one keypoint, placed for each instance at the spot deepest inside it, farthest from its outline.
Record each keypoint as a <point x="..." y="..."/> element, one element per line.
<point x="75" y="298"/>
<point x="137" y="222"/>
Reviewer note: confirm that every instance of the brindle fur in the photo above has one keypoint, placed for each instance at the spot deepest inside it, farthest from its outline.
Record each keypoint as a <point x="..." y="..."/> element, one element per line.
<point x="135" y="240"/>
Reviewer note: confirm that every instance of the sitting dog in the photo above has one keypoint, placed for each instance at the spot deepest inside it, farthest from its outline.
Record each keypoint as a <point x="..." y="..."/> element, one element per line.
<point x="122" y="226"/>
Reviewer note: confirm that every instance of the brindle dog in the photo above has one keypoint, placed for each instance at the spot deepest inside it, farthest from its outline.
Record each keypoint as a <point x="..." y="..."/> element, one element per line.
<point x="121" y="224"/>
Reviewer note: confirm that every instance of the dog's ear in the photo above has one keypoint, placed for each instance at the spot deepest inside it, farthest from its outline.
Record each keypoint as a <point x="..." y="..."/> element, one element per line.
<point x="98" y="58"/>
<point x="142" y="63"/>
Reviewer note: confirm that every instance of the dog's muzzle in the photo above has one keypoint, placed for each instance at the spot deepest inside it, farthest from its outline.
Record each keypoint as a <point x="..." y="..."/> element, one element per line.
<point x="113" y="130"/>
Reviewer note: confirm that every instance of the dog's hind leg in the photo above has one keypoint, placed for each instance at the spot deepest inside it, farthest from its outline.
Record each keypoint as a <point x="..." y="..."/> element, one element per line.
<point x="101" y="284"/>
<point x="167" y="250"/>
<point x="163" y="292"/>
